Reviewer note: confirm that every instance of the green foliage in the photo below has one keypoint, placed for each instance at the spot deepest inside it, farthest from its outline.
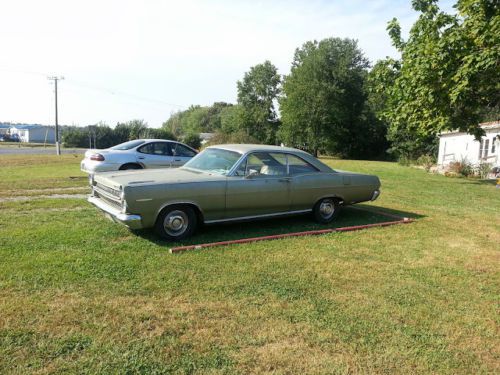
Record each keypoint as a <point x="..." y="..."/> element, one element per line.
<point x="324" y="103"/>
<point x="257" y="93"/>
<point x="461" y="168"/>
<point x="104" y="136"/>
<point x="193" y="140"/>
<point x="426" y="161"/>
<point x="196" y="119"/>
<point x="448" y="77"/>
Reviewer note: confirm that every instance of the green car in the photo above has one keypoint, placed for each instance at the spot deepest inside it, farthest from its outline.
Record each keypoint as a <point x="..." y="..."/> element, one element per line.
<point x="229" y="183"/>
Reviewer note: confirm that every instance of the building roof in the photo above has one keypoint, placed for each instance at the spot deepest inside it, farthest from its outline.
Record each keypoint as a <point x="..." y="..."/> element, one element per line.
<point x="492" y="125"/>
<point x="27" y="127"/>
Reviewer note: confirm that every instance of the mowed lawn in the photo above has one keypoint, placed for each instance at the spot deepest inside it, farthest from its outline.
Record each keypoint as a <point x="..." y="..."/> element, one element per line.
<point x="80" y="294"/>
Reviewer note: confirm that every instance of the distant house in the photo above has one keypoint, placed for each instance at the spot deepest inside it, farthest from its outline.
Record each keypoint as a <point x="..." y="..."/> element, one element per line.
<point x="4" y="129"/>
<point x="457" y="146"/>
<point x="34" y="133"/>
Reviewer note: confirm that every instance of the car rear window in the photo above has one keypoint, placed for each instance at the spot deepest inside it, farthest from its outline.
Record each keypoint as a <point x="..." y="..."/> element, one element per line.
<point x="127" y="145"/>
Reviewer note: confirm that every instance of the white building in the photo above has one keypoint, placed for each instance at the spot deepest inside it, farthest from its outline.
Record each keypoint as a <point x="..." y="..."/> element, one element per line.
<point x="34" y="133"/>
<point x="457" y="146"/>
<point x="4" y="129"/>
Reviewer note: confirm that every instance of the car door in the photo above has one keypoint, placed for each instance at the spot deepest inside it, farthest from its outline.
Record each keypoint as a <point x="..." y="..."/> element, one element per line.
<point x="260" y="186"/>
<point x="181" y="154"/>
<point x="154" y="155"/>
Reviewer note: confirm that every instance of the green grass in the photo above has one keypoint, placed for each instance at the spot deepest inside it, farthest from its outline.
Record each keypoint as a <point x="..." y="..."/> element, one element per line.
<point x="80" y="294"/>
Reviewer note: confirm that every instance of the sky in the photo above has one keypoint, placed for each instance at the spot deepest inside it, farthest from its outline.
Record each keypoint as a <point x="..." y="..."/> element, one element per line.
<point x="124" y="60"/>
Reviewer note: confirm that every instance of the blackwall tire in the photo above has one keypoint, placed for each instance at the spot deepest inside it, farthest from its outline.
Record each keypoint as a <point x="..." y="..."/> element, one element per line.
<point x="326" y="210"/>
<point x="176" y="223"/>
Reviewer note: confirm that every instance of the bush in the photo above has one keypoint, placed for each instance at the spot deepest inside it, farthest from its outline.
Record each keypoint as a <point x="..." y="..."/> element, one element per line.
<point x="461" y="168"/>
<point x="193" y="140"/>
<point x="484" y="169"/>
<point x="426" y="161"/>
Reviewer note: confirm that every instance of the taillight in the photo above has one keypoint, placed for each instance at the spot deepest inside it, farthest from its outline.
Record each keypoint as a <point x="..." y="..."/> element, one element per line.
<point x="97" y="157"/>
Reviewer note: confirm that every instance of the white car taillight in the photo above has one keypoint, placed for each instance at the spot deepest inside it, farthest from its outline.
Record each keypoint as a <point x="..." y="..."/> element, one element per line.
<point x="96" y="157"/>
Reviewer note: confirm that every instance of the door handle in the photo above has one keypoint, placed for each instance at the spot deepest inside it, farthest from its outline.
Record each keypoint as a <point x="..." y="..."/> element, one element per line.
<point x="140" y="157"/>
<point x="177" y="160"/>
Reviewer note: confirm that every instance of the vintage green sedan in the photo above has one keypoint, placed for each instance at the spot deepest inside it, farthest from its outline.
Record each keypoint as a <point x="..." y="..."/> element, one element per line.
<point x="229" y="183"/>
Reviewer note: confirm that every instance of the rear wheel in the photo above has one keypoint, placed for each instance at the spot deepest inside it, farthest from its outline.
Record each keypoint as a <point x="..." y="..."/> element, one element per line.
<point x="176" y="223"/>
<point x="326" y="210"/>
<point x="124" y="167"/>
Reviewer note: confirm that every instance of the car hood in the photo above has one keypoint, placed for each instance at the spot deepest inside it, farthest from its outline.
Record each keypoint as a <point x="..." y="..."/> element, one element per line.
<point x="154" y="176"/>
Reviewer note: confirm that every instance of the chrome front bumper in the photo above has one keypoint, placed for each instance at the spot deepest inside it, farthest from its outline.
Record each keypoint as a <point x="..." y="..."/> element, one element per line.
<point x="131" y="221"/>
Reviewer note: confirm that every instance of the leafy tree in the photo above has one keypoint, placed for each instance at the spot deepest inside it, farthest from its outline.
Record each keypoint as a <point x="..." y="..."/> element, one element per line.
<point x="193" y="140"/>
<point x="257" y="93"/>
<point x="130" y="130"/>
<point x="448" y="76"/>
<point x="324" y="98"/>
<point x="196" y="119"/>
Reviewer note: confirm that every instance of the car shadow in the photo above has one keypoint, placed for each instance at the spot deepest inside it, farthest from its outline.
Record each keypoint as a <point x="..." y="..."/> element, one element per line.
<point x="350" y="216"/>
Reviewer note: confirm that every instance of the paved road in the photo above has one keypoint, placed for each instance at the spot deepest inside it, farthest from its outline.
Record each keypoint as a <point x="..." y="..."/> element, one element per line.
<point x="37" y="150"/>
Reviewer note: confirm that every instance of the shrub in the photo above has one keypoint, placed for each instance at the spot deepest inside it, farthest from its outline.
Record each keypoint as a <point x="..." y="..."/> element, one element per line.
<point x="461" y="168"/>
<point x="193" y="140"/>
<point x="484" y="169"/>
<point x="426" y="161"/>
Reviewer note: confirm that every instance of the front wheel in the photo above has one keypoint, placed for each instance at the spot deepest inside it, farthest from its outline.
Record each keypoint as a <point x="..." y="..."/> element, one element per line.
<point x="176" y="223"/>
<point x="326" y="210"/>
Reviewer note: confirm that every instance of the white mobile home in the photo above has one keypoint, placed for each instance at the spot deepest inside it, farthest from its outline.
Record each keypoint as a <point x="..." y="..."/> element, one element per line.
<point x="457" y="146"/>
<point x="34" y="133"/>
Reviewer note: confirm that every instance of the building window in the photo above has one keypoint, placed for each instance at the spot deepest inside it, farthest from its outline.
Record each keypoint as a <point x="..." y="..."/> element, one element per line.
<point x="484" y="147"/>
<point x="493" y="145"/>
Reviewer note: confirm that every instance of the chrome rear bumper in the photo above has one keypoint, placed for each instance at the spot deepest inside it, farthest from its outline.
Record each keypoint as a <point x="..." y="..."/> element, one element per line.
<point x="375" y="195"/>
<point x="131" y="221"/>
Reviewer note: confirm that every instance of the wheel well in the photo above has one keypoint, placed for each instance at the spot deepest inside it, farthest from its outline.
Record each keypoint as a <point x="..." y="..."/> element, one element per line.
<point x="199" y="214"/>
<point x="122" y="167"/>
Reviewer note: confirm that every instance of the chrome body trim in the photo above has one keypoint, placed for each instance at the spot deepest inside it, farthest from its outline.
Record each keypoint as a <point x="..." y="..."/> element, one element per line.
<point x="131" y="221"/>
<point x="243" y="218"/>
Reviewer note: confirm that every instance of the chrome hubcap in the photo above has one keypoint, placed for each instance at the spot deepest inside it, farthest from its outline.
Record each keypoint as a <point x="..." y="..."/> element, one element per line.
<point x="175" y="223"/>
<point x="327" y="208"/>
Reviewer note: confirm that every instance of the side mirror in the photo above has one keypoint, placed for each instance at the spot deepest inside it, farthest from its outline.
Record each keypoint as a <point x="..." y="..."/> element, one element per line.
<point x="252" y="173"/>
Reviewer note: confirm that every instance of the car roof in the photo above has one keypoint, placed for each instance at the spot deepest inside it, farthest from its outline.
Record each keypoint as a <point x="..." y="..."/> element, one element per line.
<point x="244" y="148"/>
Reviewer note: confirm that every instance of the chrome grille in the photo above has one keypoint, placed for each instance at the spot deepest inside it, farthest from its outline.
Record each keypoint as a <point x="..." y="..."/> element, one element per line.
<point x="108" y="200"/>
<point x="107" y="189"/>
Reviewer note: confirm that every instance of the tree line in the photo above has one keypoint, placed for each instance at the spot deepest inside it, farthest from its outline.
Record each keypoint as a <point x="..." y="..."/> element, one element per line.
<point x="335" y="102"/>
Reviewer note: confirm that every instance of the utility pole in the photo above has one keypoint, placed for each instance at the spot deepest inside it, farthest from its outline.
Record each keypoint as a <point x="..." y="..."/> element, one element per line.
<point x="58" y="146"/>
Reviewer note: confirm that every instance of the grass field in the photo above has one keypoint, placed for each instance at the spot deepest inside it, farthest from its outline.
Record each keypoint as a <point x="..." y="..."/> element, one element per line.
<point x="80" y="294"/>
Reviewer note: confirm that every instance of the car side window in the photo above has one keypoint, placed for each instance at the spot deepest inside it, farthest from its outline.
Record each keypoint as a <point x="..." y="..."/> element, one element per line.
<point x="183" y="151"/>
<point x="298" y="165"/>
<point x="155" y="148"/>
<point x="266" y="164"/>
<point x="146" y="149"/>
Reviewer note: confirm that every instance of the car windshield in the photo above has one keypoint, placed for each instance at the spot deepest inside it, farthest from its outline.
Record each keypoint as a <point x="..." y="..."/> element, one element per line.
<point x="127" y="145"/>
<point x="214" y="160"/>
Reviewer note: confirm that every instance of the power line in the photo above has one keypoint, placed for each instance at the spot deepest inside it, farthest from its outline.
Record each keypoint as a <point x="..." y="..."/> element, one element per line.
<point x="97" y="88"/>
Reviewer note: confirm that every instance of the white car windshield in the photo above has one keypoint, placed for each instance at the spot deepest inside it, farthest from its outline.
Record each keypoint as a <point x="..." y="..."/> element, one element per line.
<point x="214" y="160"/>
<point x="127" y="145"/>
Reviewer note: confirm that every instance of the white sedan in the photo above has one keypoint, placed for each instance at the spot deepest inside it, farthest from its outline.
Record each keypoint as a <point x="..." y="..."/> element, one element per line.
<point x="138" y="154"/>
